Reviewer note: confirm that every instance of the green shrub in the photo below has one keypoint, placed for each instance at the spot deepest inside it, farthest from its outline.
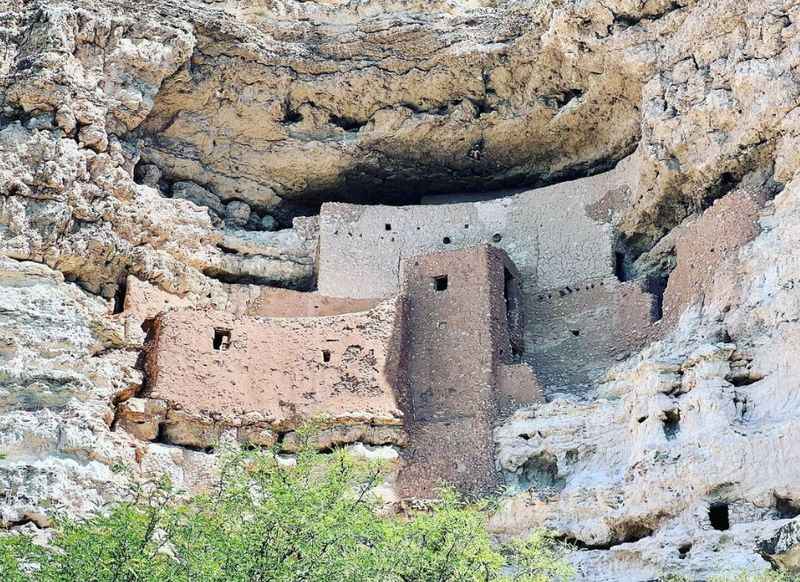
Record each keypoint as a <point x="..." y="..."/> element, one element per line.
<point x="265" y="521"/>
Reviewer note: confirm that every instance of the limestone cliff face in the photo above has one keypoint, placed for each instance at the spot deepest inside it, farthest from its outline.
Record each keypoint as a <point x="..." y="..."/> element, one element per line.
<point x="176" y="142"/>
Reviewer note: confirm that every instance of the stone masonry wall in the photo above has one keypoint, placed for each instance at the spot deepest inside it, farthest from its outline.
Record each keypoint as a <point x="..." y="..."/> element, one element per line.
<point x="580" y="329"/>
<point x="547" y="232"/>
<point x="559" y="237"/>
<point x="456" y="338"/>
<point x="216" y="368"/>
<point x="275" y="302"/>
<point x="707" y="242"/>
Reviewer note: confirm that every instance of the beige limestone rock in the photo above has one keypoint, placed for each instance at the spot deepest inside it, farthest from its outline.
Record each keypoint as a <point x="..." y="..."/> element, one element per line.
<point x="141" y="417"/>
<point x="237" y="213"/>
<point x="677" y="428"/>
<point x="344" y="435"/>
<point x="287" y="103"/>
<point x="148" y="174"/>
<point x="783" y="548"/>
<point x="197" y="194"/>
<point x="62" y="366"/>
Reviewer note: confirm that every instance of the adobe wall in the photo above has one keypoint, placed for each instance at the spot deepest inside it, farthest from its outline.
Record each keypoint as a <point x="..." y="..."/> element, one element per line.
<point x="431" y="368"/>
<point x="278" y="372"/>
<point x="557" y="236"/>
<point x="583" y="328"/>
<point x="275" y="302"/>
<point x="143" y="302"/>
<point x="455" y="340"/>
<point x="701" y="246"/>
<point x="547" y="232"/>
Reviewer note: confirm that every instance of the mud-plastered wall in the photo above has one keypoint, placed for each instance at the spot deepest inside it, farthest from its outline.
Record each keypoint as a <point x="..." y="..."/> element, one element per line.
<point x="581" y="329"/>
<point x="275" y="302"/>
<point x="559" y="237"/>
<point x="706" y="243"/>
<point x="456" y="338"/>
<point x="278" y="371"/>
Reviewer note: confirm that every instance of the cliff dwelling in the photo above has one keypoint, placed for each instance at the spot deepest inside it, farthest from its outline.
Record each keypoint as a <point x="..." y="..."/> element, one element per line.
<point x="543" y="250"/>
<point x="429" y="322"/>
<point x="428" y="369"/>
<point x="580" y="317"/>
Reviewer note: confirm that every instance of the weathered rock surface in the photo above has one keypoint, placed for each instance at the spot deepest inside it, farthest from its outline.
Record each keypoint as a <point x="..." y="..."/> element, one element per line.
<point x="697" y="420"/>
<point x="129" y="132"/>
<point x="783" y="548"/>
<point x="62" y="366"/>
<point x="353" y="103"/>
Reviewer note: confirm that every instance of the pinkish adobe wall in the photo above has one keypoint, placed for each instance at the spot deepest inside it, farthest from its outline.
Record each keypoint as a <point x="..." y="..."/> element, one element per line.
<point x="456" y="337"/>
<point x="438" y="361"/>
<point x="276" y="372"/>
<point x="559" y="237"/>
<point x="142" y="302"/>
<point x="274" y="302"/>
<point x="583" y="328"/>
<point x="145" y="301"/>
<point x="707" y="242"/>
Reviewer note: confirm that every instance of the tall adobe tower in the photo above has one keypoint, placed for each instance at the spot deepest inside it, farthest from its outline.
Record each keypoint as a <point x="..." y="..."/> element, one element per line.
<point x="462" y="332"/>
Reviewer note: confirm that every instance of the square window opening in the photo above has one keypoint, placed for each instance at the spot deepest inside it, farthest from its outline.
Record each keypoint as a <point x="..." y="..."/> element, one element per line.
<point x="388" y="226"/>
<point x="440" y="283"/>
<point x="222" y="339"/>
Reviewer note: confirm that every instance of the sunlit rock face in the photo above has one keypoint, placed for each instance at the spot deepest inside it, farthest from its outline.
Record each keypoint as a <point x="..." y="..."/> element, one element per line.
<point x="692" y="428"/>
<point x="181" y="149"/>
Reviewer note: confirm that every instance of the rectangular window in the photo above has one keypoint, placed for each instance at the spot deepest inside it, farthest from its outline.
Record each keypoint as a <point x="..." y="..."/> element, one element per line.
<point x="222" y="339"/>
<point x="440" y="283"/>
<point x="326" y="355"/>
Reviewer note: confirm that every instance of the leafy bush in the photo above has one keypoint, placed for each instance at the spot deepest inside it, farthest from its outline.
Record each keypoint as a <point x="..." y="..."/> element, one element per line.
<point x="266" y="521"/>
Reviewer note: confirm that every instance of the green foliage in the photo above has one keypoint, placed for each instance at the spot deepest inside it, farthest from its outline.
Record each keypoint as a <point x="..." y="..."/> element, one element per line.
<point x="266" y="521"/>
<point x="538" y="559"/>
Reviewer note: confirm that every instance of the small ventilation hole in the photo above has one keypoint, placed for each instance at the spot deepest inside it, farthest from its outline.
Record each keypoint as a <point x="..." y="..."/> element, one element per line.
<point x="222" y="339"/>
<point x="446" y="240"/>
<point x="326" y="356"/>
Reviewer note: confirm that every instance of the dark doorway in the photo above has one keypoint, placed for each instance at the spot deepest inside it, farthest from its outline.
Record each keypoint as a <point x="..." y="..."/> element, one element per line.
<point x="719" y="516"/>
<point x="119" y="296"/>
